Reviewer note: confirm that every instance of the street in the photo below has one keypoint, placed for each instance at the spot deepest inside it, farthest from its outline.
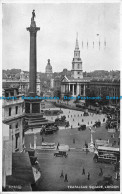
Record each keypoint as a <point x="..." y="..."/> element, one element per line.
<point x="51" y="166"/>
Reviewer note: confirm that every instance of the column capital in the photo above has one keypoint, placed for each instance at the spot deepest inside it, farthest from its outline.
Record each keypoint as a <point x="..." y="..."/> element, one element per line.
<point x="33" y="30"/>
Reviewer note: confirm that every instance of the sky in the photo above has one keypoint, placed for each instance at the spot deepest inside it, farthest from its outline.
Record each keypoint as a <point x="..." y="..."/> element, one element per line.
<point x="59" y="24"/>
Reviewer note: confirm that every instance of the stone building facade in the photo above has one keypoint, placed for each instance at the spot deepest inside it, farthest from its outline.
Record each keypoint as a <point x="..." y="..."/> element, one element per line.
<point x="76" y="84"/>
<point x="12" y="115"/>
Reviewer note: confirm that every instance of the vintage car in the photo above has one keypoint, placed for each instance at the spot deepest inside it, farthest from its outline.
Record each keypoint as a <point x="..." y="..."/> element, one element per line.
<point x="62" y="121"/>
<point x="61" y="154"/>
<point x="85" y="114"/>
<point x="97" y="124"/>
<point x="81" y="127"/>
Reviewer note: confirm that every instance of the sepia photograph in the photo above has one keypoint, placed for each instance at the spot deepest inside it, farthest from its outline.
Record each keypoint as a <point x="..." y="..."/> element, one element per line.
<point x="60" y="96"/>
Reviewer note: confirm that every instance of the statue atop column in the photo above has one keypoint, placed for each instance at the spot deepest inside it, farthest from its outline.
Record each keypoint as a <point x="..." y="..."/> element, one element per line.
<point x="33" y="14"/>
<point x="33" y="23"/>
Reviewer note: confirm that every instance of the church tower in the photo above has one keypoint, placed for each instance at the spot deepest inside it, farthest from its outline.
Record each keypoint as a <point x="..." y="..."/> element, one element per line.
<point x="77" y="71"/>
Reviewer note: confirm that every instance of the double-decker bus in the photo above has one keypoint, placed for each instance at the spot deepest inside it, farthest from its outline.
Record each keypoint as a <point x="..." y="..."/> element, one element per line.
<point x="107" y="154"/>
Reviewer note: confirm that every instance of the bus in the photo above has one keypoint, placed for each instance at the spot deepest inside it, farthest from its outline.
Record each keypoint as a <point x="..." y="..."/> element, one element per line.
<point x="107" y="154"/>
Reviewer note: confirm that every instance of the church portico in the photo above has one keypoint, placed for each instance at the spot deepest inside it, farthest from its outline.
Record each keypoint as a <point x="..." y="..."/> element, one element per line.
<point x="74" y="87"/>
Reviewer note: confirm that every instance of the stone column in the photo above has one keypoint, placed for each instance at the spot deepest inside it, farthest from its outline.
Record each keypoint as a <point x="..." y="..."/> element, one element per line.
<point x="32" y="73"/>
<point x="30" y="108"/>
<point x="84" y="90"/>
<point x="69" y="87"/>
<point x="21" y="136"/>
<point x="78" y="89"/>
<point x="64" y="88"/>
<point x="35" y="141"/>
<point x="73" y="89"/>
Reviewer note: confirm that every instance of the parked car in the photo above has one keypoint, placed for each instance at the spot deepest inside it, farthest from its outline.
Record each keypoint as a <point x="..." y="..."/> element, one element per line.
<point x="61" y="154"/>
<point x="82" y="127"/>
<point x="97" y="124"/>
<point x="85" y="114"/>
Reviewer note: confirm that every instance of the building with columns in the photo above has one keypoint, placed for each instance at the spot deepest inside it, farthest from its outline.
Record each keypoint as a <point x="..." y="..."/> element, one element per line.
<point x="75" y="84"/>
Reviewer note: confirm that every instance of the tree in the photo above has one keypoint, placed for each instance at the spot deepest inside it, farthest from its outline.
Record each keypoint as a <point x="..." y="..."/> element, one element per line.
<point x="104" y="93"/>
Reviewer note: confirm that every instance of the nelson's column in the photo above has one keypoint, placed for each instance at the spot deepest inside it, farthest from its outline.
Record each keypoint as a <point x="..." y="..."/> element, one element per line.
<point x="33" y="113"/>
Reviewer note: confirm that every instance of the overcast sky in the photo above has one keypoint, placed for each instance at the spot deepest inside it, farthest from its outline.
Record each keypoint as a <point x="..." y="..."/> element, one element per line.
<point x="59" y="24"/>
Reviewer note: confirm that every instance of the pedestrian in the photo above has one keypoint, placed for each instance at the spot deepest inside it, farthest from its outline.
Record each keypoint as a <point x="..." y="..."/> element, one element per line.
<point x="101" y="172"/>
<point x="73" y="119"/>
<point x="42" y="139"/>
<point x="88" y="176"/>
<point x="65" y="179"/>
<point x="57" y="146"/>
<point x="73" y="140"/>
<point x="83" y="172"/>
<point x="78" y="124"/>
<point x="62" y="175"/>
<point x="71" y="126"/>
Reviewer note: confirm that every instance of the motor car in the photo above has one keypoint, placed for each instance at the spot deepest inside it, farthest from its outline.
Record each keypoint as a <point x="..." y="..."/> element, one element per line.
<point x="85" y="114"/>
<point x="61" y="154"/>
<point x="97" y="124"/>
<point x="81" y="127"/>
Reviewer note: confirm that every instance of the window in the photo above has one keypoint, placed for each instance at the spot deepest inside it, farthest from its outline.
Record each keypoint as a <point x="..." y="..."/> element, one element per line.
<point x="78" y="72"/>
<point x="78" y="66"/>
<point x="16" y="140"/>
<point x="9" y="126"/>
<point x="16" y="109"/>
<point x="9" y="111"/>
<point x="16" y="125"/>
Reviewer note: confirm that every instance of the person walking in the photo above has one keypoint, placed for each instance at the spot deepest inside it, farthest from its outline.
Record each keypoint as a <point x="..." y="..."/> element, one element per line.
<point x="83" y="172"/>
<point x="65" y="179"/>
<point x="88" y="176"/>
<point x="42" y="139"/>
<point x="74" y="140"/>
<point x="101" y="172"/>
<point x="58" y="146"/>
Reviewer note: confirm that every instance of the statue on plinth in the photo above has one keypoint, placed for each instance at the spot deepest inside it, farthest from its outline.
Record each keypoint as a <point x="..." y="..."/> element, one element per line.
<point x="33" y="14"/>
<point x="33" y="23"/>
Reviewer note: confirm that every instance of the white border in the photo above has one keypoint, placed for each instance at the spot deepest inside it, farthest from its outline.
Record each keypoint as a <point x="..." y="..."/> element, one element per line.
<point x="56" y="1"/>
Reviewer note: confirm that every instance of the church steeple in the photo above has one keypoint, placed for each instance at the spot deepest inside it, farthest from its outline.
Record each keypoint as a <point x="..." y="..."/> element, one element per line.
<point x="77" y="45"/>
<point x="77" y="71"/>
